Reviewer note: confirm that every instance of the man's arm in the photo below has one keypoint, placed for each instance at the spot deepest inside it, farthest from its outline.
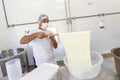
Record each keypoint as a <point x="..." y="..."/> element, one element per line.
<point x="53" y="41"/>
<point x="26" y="39"/>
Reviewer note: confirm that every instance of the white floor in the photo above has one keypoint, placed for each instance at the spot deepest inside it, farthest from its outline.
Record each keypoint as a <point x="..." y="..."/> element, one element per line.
<point x="108" y="72"/>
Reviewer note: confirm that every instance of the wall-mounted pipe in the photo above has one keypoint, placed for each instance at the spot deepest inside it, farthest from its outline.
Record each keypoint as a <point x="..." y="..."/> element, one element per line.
<point x="97" y="15"/>
<point x="5" y="13"/>
<point x="68" y="14"/>
<point x="12" y="25"/>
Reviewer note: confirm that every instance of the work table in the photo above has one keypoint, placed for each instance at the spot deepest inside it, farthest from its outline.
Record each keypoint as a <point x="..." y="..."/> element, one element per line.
<point x="108" y="72"/>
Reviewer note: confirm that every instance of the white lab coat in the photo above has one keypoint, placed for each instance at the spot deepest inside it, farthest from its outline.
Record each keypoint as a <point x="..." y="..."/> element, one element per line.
<point x="42" y="48"/>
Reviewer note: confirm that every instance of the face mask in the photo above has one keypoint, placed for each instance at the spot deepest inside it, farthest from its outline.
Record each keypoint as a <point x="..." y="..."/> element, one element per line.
<point x="44" y="25"/>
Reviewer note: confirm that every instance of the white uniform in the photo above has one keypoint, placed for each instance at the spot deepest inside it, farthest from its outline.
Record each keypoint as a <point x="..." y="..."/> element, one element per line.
<point x="42" y="48"/>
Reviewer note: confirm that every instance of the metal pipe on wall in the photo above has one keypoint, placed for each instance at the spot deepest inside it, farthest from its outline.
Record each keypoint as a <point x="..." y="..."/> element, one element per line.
<point x="70" y="16"/>
<point x="4" y="9"/>
<point x="97" y="15"/>
<point x="67" y="16"/>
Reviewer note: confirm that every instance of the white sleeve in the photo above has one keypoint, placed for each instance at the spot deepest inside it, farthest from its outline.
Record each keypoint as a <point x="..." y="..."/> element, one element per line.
<point x="32" y="32"/>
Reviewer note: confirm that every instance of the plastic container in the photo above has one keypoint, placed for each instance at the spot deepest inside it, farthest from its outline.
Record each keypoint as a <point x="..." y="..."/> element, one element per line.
<point x="13" y="68"/>
<point x="0" y="73"/>
<point x="45" y="71"/>
<point x="86" y="72"/>
<point x="116" y="53"/>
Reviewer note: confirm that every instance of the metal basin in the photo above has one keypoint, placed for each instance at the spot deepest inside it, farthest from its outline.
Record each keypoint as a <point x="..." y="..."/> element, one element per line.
<point x="7" y="55"/>
<point x="11" y="52"/>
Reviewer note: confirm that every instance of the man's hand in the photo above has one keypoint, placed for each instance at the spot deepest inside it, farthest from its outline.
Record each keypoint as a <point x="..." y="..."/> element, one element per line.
<point x="51" y="36"/>
<point x="40" y="35"/>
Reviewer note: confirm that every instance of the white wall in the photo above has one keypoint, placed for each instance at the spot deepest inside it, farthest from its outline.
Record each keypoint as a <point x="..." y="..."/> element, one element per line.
<point x="10" y="37"/>
<point x="102" y="40"/>
<point x="4" y="31"/>
<point x="25" y="11"/>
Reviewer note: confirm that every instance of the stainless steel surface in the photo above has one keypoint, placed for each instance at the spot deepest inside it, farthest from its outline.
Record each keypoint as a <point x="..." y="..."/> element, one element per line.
<point x="10" y="53"/>
<point x="7" y="55"/>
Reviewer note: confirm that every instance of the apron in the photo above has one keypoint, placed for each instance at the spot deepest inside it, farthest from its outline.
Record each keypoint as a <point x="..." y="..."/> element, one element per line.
<point x="42" y="49"/>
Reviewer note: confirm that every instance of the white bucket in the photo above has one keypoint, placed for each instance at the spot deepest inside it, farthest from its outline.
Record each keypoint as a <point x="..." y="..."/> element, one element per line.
<point x="0" y="73"/>
<point x="14" y="70"/>
<point x="86" y="72"/>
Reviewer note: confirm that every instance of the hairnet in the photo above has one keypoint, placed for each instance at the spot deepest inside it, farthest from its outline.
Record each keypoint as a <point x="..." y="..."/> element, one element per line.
<point x="42" y="17"/>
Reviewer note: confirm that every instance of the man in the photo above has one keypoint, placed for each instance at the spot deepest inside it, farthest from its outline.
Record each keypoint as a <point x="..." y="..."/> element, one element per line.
<point x="42" y="42"/>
